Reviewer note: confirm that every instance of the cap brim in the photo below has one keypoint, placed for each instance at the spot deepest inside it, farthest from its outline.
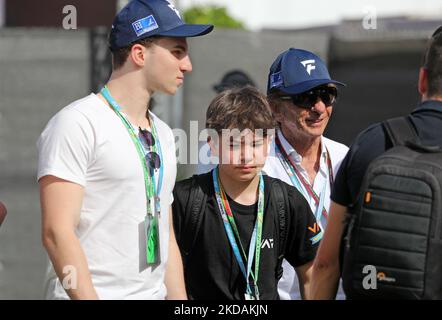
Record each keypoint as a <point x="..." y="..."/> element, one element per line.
<point x="218" y="87"/>
<point x="305" y="86"/>
<point x="188" y="30"/>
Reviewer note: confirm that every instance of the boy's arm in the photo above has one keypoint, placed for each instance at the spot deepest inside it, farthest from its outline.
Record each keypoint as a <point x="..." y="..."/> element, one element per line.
<point x="61" y="202"/>
<point x="174" y="280"/>
<point x="326" y="269"/>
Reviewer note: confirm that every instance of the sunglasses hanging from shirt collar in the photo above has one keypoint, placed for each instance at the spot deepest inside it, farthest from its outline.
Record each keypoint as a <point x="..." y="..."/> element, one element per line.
<point x="152" y="158"/>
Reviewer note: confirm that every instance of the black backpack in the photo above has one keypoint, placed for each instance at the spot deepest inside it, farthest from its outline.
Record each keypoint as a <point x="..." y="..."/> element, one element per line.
<point x="195" y="209"/>
<point x="394" y="229"/>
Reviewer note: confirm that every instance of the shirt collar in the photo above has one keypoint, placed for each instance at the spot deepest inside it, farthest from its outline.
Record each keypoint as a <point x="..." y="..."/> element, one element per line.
<point x="293" y="153"/>
<point x="433" y="105"/>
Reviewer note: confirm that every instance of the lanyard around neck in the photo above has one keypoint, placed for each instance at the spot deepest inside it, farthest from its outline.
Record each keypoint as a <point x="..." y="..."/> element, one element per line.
<point x="149" y="179"/>
<point x="232" y="231"/>
<point x="298" y="179"/>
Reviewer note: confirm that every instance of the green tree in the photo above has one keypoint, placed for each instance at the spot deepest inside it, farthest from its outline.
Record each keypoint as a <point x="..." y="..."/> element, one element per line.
<point x="218" y="16"/>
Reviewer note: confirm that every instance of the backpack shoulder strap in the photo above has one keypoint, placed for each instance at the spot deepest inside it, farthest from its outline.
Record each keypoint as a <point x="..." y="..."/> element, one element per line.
<point x="192" y="221"/>
<point x="279" y="194"/>
<point x="400" y="130"/>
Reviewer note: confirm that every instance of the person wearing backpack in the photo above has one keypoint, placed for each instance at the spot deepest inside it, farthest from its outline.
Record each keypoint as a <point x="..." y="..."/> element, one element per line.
<point x="234" y="225"/>
<point x="390" y="186"/>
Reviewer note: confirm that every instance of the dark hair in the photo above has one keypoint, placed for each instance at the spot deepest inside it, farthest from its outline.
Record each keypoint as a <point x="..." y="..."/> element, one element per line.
<point x="233" y="79"/>
<point x="433" y="64"/>
<point x="240" y="108"/>
<point x="119" y="56"/>
<point x="273" y="96"/>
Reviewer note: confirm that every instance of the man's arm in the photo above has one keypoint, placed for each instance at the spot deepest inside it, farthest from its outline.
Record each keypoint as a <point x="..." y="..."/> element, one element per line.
<point x="326" y="271"/>
<point x="304" y="273"/>
<point x="61" y="202"/>
<point x="176" y="289"/>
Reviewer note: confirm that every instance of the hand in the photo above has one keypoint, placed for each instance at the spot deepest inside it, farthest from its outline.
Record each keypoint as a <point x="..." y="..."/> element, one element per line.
<point x="3" y="212"/>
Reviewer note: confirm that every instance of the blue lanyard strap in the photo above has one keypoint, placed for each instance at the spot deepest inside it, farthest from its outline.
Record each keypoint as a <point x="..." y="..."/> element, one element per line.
<point x="232" y="231"/>
<point x="152" y="192"/>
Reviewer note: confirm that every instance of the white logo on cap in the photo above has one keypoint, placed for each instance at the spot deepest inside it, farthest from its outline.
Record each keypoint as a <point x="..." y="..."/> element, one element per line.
<point x="172" y="7"/>
<point x="308" y="65"/>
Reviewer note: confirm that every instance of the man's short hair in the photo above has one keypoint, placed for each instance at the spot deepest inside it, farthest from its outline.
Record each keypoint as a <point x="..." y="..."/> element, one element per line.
<point x="240" y="108"/>
<point x="119" y="56"/>
<point x="433" y="65"/>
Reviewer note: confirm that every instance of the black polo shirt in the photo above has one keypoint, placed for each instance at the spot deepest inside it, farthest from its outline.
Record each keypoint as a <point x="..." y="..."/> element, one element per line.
<point x="212" y="272"/>
<point x="372" y="142"/>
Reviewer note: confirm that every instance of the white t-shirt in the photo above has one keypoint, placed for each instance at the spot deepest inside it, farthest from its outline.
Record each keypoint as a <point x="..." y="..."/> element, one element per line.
<point x="87" y="143"/>
<point x="288" y="287"/>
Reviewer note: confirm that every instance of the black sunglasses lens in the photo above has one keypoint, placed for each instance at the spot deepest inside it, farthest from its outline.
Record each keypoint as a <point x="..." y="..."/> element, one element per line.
<point x="148" y="137"/>
<point x="153" y="160"/>
<point x="302" y="100"/>
<point x="329" y="95"/>
<point x="333" y="93"/>
<point x="307" y="99"/>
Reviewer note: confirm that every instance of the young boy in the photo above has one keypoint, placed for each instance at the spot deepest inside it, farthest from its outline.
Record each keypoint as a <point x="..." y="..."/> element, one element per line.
<point x="237" y="252"/>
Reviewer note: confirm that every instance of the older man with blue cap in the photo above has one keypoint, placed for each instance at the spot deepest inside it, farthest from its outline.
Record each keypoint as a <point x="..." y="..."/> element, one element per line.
<point x="302" y="96"/>
<point x="107" y="169"/>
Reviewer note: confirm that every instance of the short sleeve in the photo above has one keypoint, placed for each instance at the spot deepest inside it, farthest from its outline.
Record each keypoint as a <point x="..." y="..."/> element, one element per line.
<point x="304" y="234"/>
<point x="341" y="193"/>
<point x="368" y="145"/>
<point x="65" y="147"/>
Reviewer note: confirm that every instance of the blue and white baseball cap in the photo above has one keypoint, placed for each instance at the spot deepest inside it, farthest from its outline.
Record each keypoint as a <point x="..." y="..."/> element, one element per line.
<point x="141" y="19"/>
<point x="296" y="70"/>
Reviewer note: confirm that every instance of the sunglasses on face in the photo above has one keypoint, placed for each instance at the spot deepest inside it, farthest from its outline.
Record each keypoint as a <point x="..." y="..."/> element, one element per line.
<point x="308" y="99"/>
<point x="152" y="158"/>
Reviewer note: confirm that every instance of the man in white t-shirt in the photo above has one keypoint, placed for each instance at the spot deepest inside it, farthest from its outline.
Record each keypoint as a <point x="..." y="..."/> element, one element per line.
<point x="301" y="95"/>
<point x="107" y="169"/>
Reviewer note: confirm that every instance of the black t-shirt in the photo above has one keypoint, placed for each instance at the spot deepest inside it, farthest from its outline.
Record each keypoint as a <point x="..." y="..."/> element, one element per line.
<point x="372" y="142"/>
<point x="212" y="272"/>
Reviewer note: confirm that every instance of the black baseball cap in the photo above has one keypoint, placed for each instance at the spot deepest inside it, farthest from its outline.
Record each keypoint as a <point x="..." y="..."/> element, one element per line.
<point x="234" y="78"/>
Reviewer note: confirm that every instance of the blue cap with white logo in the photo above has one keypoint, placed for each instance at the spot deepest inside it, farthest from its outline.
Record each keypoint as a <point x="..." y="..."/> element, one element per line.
<point x="140" y="19"/>
<point x="295" y="71"/>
